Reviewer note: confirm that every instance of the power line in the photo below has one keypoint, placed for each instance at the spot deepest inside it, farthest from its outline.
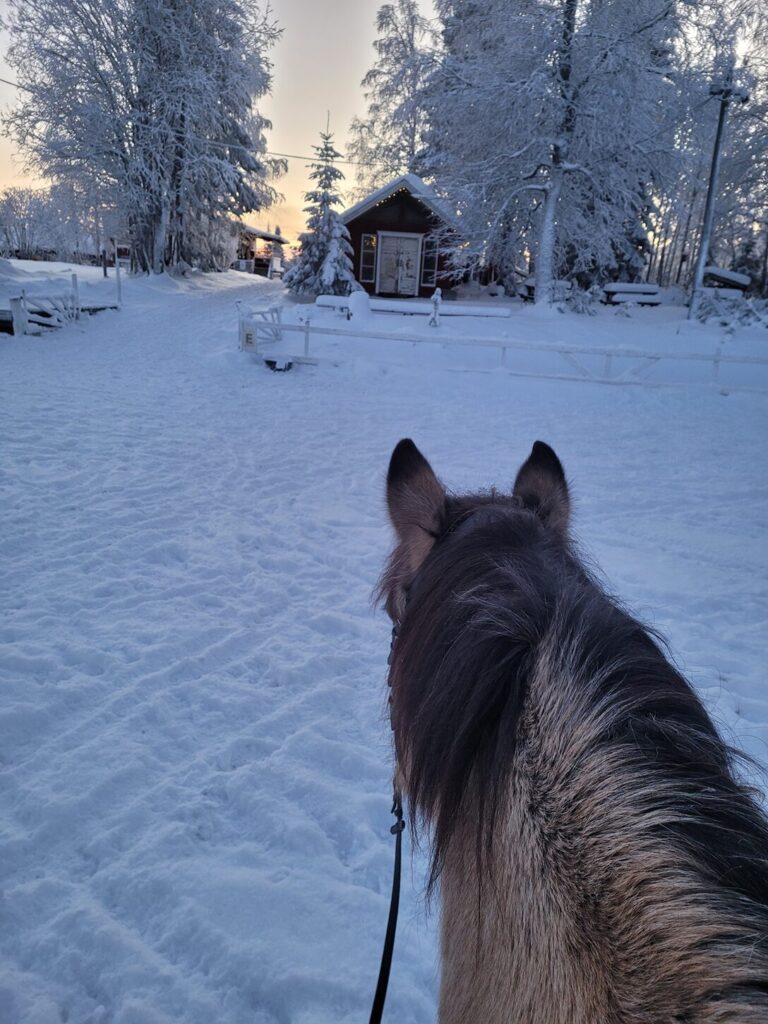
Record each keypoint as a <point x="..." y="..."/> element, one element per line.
<point x="16" y="85"/>
<point x="313" y="159"/>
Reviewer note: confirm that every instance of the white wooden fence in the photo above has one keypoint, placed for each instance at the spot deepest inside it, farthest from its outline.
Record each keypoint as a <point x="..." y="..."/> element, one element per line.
<point x="583" y="363"/>
<point x="31" y="311"/>
<point x="49" y="309"/>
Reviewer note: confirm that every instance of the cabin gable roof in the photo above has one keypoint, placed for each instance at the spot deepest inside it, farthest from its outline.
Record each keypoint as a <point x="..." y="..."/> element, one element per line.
<point x="411" y="183"/>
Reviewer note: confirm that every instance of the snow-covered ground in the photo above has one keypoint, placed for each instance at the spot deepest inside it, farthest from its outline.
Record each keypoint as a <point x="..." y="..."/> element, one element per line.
<point x="194" y="750"/>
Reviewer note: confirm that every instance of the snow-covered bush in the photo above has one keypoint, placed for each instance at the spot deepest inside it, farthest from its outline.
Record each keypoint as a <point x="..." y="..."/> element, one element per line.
<point x="581" y="300"/>
<point x="731" y="312"/>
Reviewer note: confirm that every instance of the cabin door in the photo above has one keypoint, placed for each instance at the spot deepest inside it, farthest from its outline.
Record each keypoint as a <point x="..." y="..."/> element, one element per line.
<point x="398" y="263"/>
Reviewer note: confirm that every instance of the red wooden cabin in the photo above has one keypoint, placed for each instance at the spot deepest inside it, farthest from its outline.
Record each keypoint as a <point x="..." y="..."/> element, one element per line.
<point x="392" y="232"/>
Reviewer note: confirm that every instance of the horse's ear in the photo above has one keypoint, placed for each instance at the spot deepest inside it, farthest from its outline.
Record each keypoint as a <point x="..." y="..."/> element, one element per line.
<point x="415" y="499"/>
<point x="542" y="487"/>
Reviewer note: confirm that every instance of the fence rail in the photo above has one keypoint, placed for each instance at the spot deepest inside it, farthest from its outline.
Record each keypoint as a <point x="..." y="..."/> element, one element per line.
<point x="255" y="334"/>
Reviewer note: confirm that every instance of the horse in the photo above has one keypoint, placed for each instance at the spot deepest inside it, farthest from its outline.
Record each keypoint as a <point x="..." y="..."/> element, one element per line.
<point x="598" y="857"/>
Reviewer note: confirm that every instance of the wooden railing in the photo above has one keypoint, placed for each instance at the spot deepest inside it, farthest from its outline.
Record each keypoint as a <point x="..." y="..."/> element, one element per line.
<point x="606" y="366"/>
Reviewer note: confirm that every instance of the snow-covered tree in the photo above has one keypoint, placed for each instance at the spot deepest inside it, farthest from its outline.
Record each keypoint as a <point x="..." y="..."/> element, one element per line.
<point x="718" y="35"/>
<point x="324" y="262"/>
<point x="151" y="101"/>
<point x="24" y="222"/>
<point x="388" y="140"/>
<point x="204" y="61"/>
<point x="550" y="121"/>
<point x="62" y="219"/>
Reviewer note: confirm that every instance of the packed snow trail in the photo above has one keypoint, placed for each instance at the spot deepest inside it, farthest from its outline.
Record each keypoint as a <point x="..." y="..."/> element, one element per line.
<point x="194" y="748"/>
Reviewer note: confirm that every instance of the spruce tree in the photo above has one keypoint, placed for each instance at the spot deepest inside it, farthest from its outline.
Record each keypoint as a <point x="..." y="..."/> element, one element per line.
<point x="324" y="263"/>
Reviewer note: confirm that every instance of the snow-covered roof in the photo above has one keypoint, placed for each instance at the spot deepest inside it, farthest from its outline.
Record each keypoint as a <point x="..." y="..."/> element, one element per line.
<point x="413" y="184"/>
<point x="731" y="276"/>
<point x="268" y="236"/>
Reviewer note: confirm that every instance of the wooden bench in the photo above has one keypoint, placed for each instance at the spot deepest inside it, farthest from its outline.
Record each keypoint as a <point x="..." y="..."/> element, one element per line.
<point x="722" y="292"/>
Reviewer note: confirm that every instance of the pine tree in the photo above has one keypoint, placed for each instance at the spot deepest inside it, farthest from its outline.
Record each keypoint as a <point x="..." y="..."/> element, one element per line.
<point x="324" y="263"/>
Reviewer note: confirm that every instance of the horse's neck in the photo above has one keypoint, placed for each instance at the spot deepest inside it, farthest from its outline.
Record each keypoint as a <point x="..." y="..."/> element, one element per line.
<point x="587" y="913"/>
<point x="508" y="953"/>
<point x="508" y="949"/>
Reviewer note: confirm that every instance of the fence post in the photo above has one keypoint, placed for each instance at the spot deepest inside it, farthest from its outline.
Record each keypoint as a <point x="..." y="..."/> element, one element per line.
<point x="19" y="316"/>
<point x="716" y="364"/>
<point x="503" y="355"/>
<point x="608" y="365"/>
<point x="75" y="297"/>
<point x="306" y="337"/>
<point x="239" y="325"/>
<point x="119" y="280"/>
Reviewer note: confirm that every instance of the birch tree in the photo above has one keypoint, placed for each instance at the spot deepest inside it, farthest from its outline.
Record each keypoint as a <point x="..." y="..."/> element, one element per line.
<point x="389" y="139"/>
<point x="550" y="121"/>
<point x="151" y="102"/>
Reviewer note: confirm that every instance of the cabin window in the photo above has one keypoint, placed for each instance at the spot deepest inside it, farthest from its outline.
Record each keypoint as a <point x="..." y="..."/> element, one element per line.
<point x="429" y="263"/>
<point x="368" y="259"/>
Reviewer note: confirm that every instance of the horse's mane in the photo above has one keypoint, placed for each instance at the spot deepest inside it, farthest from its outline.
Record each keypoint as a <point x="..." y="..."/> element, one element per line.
<point x="501" y="605"/>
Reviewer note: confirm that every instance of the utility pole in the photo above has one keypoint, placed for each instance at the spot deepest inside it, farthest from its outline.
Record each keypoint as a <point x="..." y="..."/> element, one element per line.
<point x="726" y="92"/>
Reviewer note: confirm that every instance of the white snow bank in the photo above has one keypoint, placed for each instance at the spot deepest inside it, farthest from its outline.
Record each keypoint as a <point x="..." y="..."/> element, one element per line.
<point x="414" y="307"/>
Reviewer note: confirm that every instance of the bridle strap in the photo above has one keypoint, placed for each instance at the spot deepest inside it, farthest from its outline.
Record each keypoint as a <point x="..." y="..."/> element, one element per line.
<point x="389" y="941"/>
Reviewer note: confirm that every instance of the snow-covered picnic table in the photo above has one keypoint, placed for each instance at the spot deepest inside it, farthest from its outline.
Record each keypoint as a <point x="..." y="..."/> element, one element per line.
<point x="527" y="289"/>
<point x="731" y="278"/>
<point x="643" y="294"/>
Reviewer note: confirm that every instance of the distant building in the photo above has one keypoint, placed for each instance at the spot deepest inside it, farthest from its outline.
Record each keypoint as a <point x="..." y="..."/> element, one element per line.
<point x="260" y="252"/>
<point x="392" y="232"/>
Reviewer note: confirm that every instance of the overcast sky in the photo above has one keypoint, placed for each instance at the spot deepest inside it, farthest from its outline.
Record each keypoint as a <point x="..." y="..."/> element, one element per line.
<point x="324" y="52"/>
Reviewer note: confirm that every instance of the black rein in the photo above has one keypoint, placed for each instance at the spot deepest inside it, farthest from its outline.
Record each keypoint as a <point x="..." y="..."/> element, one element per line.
<point x="394" y="903"/>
